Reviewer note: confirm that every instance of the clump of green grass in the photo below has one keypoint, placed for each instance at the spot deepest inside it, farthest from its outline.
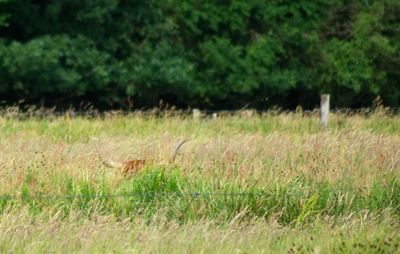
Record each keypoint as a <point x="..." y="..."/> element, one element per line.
<point x="184" y="199"/>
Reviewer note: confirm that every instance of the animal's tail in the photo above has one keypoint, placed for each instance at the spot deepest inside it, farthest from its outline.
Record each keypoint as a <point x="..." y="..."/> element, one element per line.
<point x="107" y="162"/>
<point x="177" y="150"/>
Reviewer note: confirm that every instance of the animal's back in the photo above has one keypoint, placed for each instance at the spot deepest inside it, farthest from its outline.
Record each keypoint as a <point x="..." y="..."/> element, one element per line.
<point x="133" y="166"/>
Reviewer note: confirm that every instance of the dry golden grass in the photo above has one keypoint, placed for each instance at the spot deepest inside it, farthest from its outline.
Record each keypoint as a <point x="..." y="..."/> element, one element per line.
<point x="359" y="156"/>
<point x="357" y="160"/>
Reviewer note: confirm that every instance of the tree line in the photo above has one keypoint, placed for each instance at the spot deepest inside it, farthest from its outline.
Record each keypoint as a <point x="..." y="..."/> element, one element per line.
<point x="202" y="53"/>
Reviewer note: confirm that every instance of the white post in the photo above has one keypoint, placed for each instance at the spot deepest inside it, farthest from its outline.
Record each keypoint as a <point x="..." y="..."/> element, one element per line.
<point x="214" y="116"/>
<point x="196" y="113"/>
<point x="324" y="110"/>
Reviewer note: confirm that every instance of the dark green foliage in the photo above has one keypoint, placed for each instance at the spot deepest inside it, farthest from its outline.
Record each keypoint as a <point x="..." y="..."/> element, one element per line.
<point x="115" y="53"/>
<point x="360" y="53"/>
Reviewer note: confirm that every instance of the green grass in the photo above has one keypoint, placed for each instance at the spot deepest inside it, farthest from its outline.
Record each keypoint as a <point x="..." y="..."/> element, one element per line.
<point x="185" y="200"/>
<point x="266" y="183"/>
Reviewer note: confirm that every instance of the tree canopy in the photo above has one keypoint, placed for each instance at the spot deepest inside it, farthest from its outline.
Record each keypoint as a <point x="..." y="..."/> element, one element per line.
<point x="203" y="53"/>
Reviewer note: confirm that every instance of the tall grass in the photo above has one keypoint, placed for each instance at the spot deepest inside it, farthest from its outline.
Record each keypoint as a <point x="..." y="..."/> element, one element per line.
<point x="183" y="199"/>
<point x="262" y="175"/>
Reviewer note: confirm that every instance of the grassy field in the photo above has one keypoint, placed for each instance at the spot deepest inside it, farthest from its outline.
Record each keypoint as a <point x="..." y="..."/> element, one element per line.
<point x="268" y="183"/>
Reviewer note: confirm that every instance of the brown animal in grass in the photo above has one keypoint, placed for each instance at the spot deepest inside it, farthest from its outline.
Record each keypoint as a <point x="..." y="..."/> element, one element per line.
<point x="131" y="167"/>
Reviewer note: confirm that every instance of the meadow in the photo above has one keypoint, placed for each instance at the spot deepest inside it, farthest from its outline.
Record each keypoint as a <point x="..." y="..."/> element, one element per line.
<point x="264" y="183"/>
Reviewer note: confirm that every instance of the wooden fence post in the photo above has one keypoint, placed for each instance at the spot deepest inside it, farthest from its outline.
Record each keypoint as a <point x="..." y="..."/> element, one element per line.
<point x="196" y="113"/>
<point x="324" y="110"/>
